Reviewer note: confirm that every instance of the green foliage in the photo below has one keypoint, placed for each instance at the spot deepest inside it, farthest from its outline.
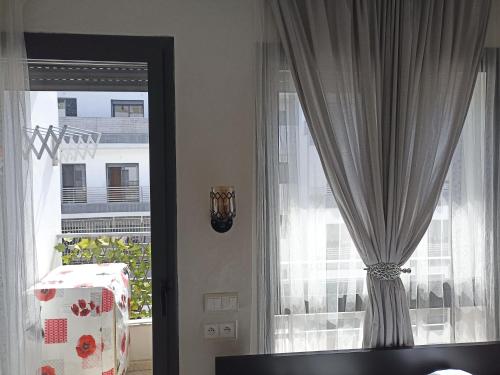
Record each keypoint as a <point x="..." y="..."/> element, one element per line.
<point x="116" y="250"/>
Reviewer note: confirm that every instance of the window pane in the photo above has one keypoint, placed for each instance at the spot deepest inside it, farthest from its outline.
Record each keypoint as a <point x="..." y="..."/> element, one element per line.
<point x="73" y="183"/>
<point x="73" y="175"/>
<point x="70" y="104"/>
<point x="61" y="107"/>
<point x="136" y="111"/>
<point x="127" y="108"/>
<point x="123" y="175"/>
<point x="67" y="107"/>
<point x="120" y="110"/>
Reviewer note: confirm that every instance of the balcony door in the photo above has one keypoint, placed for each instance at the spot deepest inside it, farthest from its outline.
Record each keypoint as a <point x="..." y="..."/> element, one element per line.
<point x="111" y="108"/>
<point x="123" y="182"/>
<point x="74" y="183"/>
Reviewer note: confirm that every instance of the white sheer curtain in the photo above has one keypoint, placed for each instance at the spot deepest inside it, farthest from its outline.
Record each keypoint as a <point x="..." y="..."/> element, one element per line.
<point x="321" y="273"/>
<point x="450" y="294"/>
<point x="322" y="282"/>
<point x="20" y="330"/>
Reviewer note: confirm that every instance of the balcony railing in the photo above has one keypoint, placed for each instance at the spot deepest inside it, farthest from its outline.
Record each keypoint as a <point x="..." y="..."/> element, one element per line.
<point x="112" y="129"/>
<point x="102" y="225"/>
<point x="110" y="194"/>
<point x="105" y="199"/>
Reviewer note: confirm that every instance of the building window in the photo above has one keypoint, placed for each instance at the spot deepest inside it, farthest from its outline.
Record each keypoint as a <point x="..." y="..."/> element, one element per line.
<point x="122" y="182"/>
<point x="127" y="108"/>
<point x="67" y="107"/>
<point x="74" y="184"/>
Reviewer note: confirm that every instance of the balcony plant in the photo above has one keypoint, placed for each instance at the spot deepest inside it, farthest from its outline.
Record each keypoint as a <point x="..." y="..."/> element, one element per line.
<point x="116" y="250"/>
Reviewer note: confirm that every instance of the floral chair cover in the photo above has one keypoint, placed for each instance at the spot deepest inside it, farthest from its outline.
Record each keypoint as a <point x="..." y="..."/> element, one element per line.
<point x="85" y="311"/>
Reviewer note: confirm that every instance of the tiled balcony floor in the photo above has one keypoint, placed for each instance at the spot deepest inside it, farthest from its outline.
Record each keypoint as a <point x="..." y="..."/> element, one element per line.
<point x="140" y="368"/>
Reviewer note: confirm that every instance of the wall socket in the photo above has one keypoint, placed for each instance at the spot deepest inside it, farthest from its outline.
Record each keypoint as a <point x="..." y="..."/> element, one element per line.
<point x="227" y="330"/>
<point x="211" y="331"/>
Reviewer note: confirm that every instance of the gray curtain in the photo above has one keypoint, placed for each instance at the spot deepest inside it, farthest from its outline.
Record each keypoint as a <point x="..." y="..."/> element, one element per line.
<point x="385" y="87"/>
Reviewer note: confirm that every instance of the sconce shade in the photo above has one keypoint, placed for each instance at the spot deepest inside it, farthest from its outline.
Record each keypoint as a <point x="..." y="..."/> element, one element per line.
<point x="222" y="208"/>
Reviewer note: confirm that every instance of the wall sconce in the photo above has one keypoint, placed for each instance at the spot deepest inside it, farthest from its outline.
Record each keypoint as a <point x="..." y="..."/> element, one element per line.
<point x="222" y="208"/>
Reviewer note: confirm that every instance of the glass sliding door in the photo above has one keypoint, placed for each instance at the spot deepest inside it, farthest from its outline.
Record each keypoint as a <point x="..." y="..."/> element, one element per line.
<point x="116" y="106"/>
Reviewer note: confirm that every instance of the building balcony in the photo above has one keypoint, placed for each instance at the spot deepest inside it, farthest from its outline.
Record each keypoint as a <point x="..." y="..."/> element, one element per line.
<point x="109" y="225"/>
<point x="105" y="199"/>
<point x="112" y="129"/>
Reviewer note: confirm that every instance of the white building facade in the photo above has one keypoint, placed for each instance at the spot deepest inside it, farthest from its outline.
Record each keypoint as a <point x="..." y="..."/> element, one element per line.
<point x="108" y="192"/>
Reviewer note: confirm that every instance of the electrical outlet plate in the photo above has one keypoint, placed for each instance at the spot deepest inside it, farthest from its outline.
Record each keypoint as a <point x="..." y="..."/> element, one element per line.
<point x="211" y="331"/>
<point x="222" y="331"/>
<point x="228" y="330"/>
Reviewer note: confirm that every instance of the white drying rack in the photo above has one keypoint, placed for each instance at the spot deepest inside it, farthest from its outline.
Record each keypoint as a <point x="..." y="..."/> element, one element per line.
<point x="76" y="143"/>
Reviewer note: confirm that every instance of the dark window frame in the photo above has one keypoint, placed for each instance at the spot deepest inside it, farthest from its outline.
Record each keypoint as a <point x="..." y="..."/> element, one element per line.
<point x="158" y="53"/>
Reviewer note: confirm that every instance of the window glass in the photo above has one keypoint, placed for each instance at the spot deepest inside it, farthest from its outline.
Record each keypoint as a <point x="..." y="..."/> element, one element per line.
<point x="74" y="185"/>
<point x="127" y="108"/>
<point x="123" y="175"/>
<point x="73" y="175"/>
<point x="67" y="107"/>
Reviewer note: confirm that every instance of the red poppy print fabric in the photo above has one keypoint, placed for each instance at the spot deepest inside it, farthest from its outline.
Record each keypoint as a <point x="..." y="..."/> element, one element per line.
<point x="84" y="312"/>
<point x="108" y="300"/>
<point x="56" y="331"/>
<point x="123" y="345"/>
<point x="45" y="294"/>
<point x="84" y="308"/>
<point x="47" y="370"/>
<point x="86" y="346"/>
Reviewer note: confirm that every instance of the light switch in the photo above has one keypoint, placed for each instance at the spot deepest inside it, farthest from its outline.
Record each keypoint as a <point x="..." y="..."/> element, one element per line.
<point x="229" y="303"/>
<point x="215" y="302"/>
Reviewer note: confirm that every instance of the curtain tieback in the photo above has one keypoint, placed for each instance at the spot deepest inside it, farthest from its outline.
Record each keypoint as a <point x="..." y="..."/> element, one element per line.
<point x="386" y="271"/>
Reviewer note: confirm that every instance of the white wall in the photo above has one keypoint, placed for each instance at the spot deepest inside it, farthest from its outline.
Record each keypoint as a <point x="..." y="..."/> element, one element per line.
<point x="493" y="31"/>
<point x="98" y="104"/>
<point x="141" y="340"/>
<point x="214" y="56"/>
<point x="46" y="187"/>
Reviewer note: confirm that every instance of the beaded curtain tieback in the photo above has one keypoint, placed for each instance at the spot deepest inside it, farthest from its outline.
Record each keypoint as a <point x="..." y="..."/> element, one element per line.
<point x="386" y="271"/>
